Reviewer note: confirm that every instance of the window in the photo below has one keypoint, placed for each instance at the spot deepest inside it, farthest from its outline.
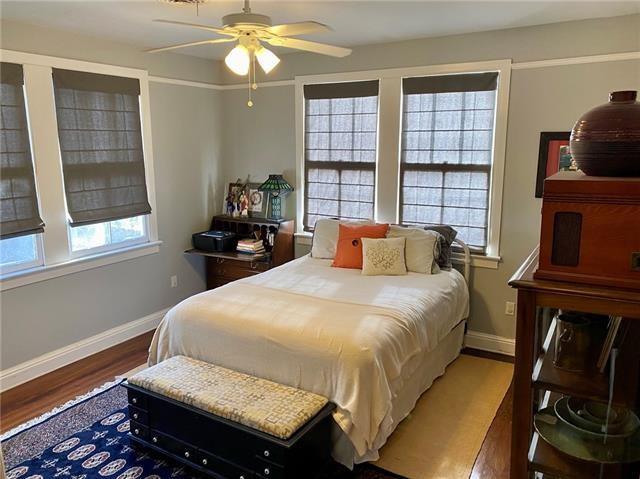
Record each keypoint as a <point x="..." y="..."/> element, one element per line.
<point x="447" y="147"/>
<point x="88" y="175"/>
<point x="102" y="159"/>
<point x="105" y="236"/>
<point x="425" y="146"/>
<point x="340" y="150"/>
<point x="20" y="252"/>
<point x="19" y="212"/>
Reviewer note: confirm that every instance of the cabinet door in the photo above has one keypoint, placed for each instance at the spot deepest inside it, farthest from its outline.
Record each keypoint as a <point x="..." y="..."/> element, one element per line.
<point x="583" y="380"/>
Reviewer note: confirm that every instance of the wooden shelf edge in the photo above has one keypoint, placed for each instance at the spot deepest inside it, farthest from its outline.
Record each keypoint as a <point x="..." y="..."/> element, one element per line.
<point x="265" y="258"/>
<point x="546" y="459"/>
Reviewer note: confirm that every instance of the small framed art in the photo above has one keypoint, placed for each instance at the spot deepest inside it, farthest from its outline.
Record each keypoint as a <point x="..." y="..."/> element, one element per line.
<point x="244" y="199"/>
<point x="257" y="201"/>
<point x="554" y="155"/>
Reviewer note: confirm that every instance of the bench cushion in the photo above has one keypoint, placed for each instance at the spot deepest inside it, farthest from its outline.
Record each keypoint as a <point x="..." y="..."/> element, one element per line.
<point x="257" y="403"/>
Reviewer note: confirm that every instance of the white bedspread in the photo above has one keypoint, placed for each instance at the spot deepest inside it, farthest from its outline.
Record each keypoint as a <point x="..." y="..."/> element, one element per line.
<point x="332" y="331"/>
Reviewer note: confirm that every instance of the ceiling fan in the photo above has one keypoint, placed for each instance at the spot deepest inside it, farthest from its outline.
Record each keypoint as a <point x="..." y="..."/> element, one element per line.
<point x="250" y="30"/>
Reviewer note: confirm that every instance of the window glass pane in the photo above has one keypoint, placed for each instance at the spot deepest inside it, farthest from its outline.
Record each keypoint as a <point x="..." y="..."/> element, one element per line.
<point x="89" y="236"/>
<point x="110" y="233"/>
<point x="127" y="229"/>
<point x="14" y="251"/>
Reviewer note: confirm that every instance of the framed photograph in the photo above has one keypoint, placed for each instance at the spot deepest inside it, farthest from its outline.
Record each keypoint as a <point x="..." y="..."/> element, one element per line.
<point x="257" y="201"/>
<point x="232" y="200"/>
<point x="244" y="199"/>
<point x="554" y="155"/>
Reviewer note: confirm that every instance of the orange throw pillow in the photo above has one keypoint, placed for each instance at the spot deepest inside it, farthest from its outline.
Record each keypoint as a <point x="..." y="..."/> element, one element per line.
<point x="349" y="250"/>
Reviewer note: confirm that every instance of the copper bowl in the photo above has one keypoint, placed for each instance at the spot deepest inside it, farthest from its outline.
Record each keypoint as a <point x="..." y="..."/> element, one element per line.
<point x="605" y="141"/>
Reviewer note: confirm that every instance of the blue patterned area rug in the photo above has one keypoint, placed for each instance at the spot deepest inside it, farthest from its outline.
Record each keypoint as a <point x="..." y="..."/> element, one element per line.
<point x="87" y="439"/>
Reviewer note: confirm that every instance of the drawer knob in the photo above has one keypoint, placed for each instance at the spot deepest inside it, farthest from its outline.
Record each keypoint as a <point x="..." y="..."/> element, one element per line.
<point x="136" y="431"/>
<point x="186" y="454"/>
<point x="135" y="415"/>
<point x="266" y="471"/>
<point x="154" y="439"/>
<point x="266" y="453"/>
<point x="205" y="462"/>
<point x="134" y="400"/>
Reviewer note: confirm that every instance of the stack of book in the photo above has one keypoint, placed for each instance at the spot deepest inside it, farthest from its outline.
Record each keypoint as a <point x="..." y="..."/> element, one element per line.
<point x="250" y="246"/>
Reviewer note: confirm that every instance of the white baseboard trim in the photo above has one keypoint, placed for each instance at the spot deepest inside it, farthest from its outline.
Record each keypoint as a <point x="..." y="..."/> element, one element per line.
<point x="490" y="342"/>
<point x="49" y="362"/>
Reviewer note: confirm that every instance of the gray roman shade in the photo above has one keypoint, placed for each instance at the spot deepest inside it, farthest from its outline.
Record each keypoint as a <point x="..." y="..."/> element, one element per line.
<point x="451" y="83"/>
<point x="340" y="150"/>
<point x="19" y="214"/>
<point x="101" y="146"/>
<point x="447" y="149"/>
<point x="355" y="89"/>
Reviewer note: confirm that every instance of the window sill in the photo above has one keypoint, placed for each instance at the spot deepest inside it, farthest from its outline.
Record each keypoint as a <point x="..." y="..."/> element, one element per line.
<point x="43" y="273"/>
<point x="304" y="238"/>
<point x="477" y="260"/>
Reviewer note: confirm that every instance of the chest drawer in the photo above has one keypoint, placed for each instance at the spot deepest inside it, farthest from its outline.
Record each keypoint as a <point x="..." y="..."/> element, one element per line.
<point x="138" y="415"/>
<point x="137" y="399"/>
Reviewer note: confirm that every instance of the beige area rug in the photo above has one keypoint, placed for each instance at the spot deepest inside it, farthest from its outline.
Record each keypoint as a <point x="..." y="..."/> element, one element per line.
<point x="442" y="436"/>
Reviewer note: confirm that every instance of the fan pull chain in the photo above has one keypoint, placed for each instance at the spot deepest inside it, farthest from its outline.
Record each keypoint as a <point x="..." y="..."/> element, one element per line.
<point x="250" y="102"/>
<point x="255" y="84"/>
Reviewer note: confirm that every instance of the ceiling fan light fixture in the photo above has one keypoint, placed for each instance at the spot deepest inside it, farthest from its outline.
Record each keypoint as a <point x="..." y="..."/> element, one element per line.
<point x="238" y="60"/>
<point x="267" y="59"/>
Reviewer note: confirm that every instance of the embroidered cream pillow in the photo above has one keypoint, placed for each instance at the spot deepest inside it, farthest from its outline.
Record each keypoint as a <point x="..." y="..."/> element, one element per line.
<point x="421" y="248"/>
<point x="383" y="256"/>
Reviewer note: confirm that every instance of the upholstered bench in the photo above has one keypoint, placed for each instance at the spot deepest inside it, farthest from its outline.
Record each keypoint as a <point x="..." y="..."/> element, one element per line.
<point x="228" y="424"/>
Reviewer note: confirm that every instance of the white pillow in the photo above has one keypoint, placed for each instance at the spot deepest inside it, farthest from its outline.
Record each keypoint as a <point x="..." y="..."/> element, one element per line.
<point x="421" y="248"/>
<point x="383" y="256"/>
<point x="325" y="237"/>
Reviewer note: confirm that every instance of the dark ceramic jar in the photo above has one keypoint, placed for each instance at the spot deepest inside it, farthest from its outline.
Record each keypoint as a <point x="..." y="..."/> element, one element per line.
<point x="605" y="141"/>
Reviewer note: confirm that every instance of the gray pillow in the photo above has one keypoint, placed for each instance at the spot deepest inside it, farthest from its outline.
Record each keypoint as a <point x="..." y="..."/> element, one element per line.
<point x="447" y="235"/>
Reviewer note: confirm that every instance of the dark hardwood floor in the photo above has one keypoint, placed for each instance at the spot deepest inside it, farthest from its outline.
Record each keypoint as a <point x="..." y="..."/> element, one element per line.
<point x="31" y="399"/>
<point x="27" y="401"/>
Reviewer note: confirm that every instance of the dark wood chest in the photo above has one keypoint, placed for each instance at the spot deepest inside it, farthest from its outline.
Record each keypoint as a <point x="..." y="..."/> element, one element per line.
<point x="591" y="230"/>
<point x="224" y="449"/>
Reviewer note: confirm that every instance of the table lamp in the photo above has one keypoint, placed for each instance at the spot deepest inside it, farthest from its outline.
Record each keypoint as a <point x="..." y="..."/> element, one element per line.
<point x="277" y="187"/>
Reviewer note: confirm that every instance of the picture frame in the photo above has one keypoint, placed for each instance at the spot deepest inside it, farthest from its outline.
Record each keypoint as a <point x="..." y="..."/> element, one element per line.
<point x="256" y="200"/>
<point x="553" y="155"/>
<point x="231" y="197"/>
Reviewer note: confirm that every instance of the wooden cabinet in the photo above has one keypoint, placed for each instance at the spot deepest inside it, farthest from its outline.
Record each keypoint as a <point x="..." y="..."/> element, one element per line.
<point x="538" y="383"/>
<point x="224" y="267"/>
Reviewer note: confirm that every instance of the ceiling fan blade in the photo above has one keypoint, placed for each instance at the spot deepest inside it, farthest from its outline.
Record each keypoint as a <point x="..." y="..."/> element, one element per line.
<point x="189" y="44"/>
<point x="197" y="25"/>
<point x="300" y="28"/>
<point x="308" y="46"/>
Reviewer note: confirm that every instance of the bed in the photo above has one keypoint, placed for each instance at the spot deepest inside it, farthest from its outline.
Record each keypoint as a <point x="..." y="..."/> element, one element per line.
<point x="372" y="345"/>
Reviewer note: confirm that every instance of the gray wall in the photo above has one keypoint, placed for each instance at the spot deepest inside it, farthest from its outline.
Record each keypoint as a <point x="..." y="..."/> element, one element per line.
<point x="186" y="129"/>
<point x="546" y="99"/>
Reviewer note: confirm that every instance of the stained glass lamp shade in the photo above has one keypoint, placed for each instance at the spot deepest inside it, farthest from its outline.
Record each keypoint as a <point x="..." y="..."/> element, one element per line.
<point x="277" y="187"/>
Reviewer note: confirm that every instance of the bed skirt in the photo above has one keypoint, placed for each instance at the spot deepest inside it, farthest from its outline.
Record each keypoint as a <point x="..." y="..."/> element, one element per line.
<point x="431" y="367"/>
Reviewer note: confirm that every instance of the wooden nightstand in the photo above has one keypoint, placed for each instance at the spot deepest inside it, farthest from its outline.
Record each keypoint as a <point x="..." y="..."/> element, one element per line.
<point x="224" y="267"/>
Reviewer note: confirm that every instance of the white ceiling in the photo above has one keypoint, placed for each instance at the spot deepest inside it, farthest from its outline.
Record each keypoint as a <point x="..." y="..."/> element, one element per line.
<point x="354" y="23"/>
